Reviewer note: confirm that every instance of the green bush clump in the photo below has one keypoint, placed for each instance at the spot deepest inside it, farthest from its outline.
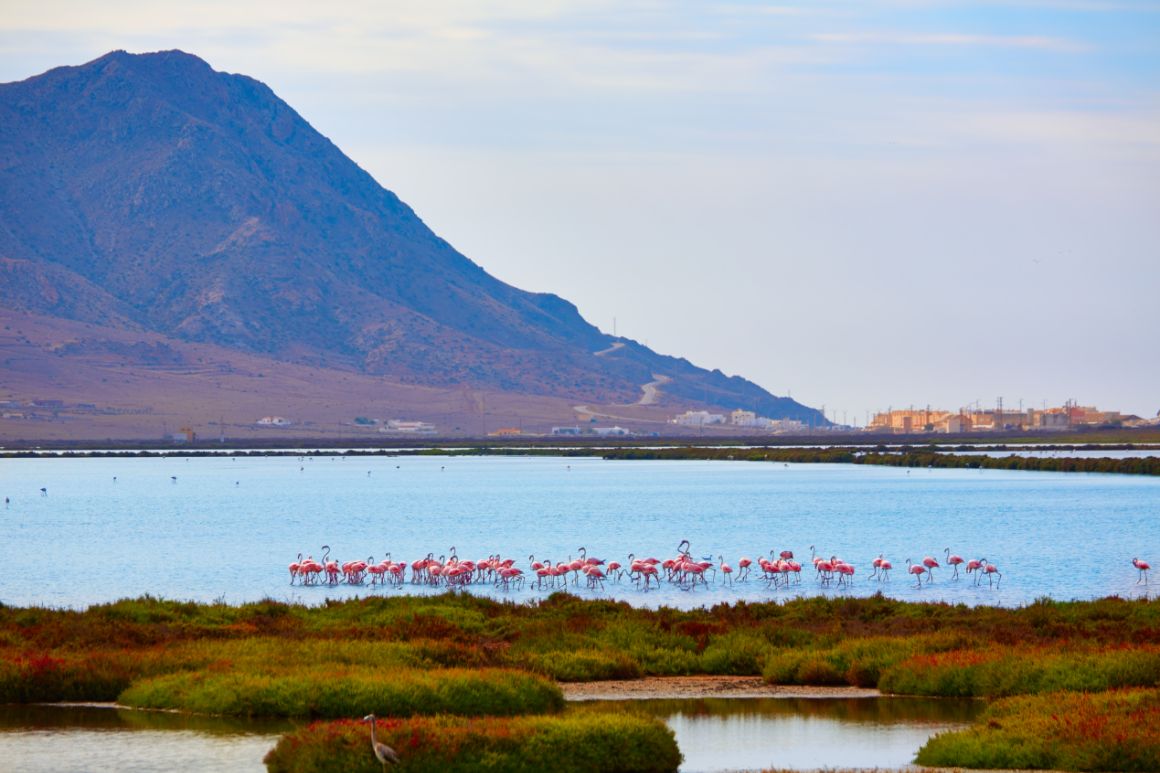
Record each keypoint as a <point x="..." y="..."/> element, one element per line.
<point x="740" y="653"/>
<point x="1118" y="730"/>
<point x="582" y="666"/>
<point x="343" y="692"/>
<point x="567" y="744"/>
<point x="858" y="662"/>
<point x="998" y="673"/>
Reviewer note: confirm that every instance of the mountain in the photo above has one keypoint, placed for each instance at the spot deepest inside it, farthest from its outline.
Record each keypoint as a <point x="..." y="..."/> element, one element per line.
<point x="151" y="194"/>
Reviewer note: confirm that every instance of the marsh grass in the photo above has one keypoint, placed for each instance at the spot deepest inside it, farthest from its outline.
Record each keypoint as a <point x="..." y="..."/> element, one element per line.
<point x="568" y="744"/>
<point x="98" y="653"/>
<point x="1117" y="730"/>
<point x="1003" y="672"/>
<point x="341" y="692"/>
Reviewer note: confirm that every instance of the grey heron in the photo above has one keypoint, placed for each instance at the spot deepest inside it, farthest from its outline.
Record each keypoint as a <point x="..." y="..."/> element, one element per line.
<point x="383" y="753"/>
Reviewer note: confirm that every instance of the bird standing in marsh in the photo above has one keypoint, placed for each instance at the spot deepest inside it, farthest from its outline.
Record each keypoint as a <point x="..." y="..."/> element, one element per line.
<point x="383" y="753"/>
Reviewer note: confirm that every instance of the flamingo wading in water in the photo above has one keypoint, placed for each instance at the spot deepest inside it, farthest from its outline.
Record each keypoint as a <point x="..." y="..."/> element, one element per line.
<point x="1143" y="566"/>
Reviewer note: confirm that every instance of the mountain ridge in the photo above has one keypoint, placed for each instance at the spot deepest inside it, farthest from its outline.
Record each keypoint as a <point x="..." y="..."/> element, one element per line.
<point x="169" y="197"/>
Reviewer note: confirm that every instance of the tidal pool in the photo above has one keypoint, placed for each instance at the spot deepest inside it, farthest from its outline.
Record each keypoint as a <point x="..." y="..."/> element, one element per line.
<point x="731" y="734"/>
<point x="714" y="734"/>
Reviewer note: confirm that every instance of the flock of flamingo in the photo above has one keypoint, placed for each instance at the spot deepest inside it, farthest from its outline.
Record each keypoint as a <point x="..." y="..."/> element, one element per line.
<point x="682" y="570"/>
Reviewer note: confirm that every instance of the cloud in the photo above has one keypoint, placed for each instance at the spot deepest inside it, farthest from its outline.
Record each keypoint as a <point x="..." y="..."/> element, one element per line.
<point x="953" y="39"/>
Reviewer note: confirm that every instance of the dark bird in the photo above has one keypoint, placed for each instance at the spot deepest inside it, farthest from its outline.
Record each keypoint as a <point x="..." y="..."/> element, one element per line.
<point x="383" y="753"/>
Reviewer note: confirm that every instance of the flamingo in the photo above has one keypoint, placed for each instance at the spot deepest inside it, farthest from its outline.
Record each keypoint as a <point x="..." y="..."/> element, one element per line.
<point x="590" y="561"/>
<point x="953" y="561"/>
<point x="726" y="570"/>
<point x="991" y="569"/>
<point x="917" y="570"/>
<point x="1143" y="566"/>
<point x="825" y="570"/>
<point x="974" y="565"/>
<point x="383" y="753"/>
<point x="743" y="564"/>
<point x="294" y="566"/>
<point x="884" y="570"/>
<point x="930" y="564"/>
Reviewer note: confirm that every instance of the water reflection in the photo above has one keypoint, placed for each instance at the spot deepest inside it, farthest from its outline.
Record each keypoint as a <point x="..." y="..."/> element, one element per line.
<point x="719" y="734"/>
<point x="71" y="739"/>
<point x="714" y="734"/>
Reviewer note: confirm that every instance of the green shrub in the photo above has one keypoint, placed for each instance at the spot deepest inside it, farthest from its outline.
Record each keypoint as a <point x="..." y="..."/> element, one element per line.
<point x="742" y="653"/>
<point x="1002" y="672"/>
<point x="1117" y="730"/>
<point x="338" y="693"/>
<point x="582" y="666"/>
<point x="568" y="744"/>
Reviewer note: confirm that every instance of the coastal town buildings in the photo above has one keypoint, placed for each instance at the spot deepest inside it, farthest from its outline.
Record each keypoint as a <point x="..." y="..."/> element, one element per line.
<point x="1068" y="416"/>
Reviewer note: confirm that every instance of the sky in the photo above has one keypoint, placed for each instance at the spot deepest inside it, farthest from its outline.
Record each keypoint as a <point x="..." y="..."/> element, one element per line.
<point x="861" y="204"/>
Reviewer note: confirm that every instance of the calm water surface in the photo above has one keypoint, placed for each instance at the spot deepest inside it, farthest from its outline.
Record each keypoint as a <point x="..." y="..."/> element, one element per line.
<point x="226" y="528"/>
<point x="713" y="734"/>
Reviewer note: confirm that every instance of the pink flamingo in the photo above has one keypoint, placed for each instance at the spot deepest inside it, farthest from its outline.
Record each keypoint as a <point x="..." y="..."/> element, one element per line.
<point x="614" y="570"/>
<point x="990" y="570"/>
<point x="726" y="570"/>
<point x="884" y="568"/>
<point x="743" y="564"/>
<point x="931" y="565"/>
<point x="1143" y="566"/>
<point x="294" y="568"/>
<point x="825" y="570"/>
<point x="310" y="569"/>
<point x="917" y="570"/>
<point x="974" y="565"/>
<point x="953" y="561"/>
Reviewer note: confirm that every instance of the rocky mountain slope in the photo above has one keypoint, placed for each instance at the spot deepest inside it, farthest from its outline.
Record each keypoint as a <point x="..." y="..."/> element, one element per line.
<point x="151" y="193"/>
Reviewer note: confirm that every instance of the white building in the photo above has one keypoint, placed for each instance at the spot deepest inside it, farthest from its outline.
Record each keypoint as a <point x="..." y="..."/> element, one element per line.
<point x="611" y="431"/>
<point x="565" y="430"/>
<point x="698" y="418"/>
<point x="740" y="418"/>
<point x="408" y="427"/>
<point x="274" y="421"/>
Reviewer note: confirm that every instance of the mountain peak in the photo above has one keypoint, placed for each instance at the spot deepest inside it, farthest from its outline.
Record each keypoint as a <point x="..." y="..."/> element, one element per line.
<point x="197" y="204"/>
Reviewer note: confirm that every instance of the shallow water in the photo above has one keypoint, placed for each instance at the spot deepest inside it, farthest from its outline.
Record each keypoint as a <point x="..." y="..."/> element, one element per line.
<point x="718" y="734"/>
<point x="54" y="739"/>
<point x="713" y="734"/>
<point x="226" y="528"/>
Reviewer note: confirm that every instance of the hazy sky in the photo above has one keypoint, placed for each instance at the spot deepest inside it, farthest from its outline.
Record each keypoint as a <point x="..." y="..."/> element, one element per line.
<point x="863" y="204"/>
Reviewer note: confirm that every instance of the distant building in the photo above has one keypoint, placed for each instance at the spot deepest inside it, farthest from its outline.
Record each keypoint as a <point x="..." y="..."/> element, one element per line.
<point x="506" y="432"/>
<point x="408" y="427"/>
<point x="565" y="431"/>
<point x="994" y="420"/>
<point x="611" y="431"/>
<point x="274" y="421"/>
<point x="698" y="418"/>
<point x="740" y="418"/>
